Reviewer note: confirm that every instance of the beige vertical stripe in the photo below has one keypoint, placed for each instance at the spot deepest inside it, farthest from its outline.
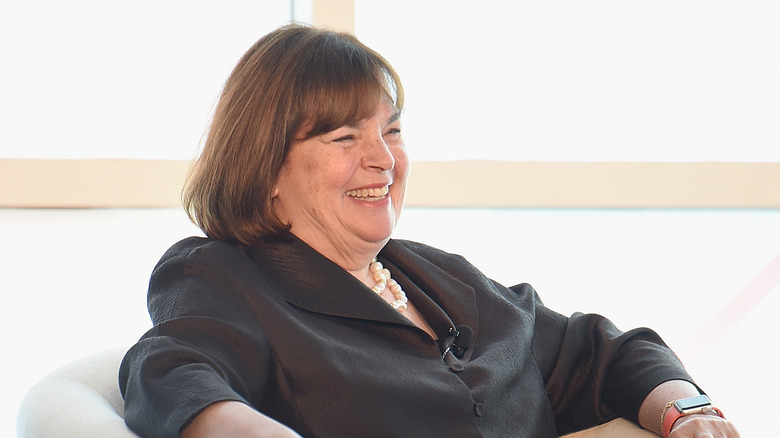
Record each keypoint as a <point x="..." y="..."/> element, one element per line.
<point x="334" y="14"/>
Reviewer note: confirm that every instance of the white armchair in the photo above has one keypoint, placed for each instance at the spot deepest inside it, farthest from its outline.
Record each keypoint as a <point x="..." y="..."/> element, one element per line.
<point x="82" y="400"/>
<point x="78" y="400"/>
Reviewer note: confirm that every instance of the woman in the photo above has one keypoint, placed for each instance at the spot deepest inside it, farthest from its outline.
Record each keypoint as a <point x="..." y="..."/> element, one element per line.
<point x="299" y="316"/>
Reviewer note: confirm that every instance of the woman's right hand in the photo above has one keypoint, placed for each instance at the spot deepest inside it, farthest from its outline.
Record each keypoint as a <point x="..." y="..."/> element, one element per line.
<point x="235" y="419"/>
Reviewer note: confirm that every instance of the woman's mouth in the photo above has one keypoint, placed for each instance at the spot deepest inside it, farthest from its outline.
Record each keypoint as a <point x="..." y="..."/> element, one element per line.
<point x="372" y="194"/>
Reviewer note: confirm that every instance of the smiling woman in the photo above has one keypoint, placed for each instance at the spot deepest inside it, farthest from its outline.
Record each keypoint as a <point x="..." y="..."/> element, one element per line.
<point x="373" y="204"/>
<point x="298" y="306"/>
<point x="308" y="97"/>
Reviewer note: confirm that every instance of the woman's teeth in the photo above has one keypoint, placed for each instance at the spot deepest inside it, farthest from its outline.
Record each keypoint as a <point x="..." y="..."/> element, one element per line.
<point x="373" y="194"/>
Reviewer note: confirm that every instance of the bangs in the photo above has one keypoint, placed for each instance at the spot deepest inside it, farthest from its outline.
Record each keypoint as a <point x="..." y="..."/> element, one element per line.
<point x="343" y="88"/>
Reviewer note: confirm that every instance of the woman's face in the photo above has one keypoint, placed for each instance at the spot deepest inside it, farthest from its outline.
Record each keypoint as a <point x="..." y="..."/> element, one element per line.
<point x="343" y="190"/>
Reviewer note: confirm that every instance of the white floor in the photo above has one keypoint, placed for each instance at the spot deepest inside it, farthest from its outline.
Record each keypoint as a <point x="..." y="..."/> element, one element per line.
<point x="74" y="282"/>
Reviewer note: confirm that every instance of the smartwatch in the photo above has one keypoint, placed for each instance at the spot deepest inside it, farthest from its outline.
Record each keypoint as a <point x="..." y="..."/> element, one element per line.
<point x="699" y="404"/>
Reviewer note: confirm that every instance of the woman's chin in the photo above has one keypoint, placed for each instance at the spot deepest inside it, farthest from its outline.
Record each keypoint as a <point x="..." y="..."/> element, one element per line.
<point x="378" y="234"/>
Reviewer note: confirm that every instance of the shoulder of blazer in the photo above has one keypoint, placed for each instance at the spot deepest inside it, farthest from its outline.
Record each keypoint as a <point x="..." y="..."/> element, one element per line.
<point x="218" y="250"/>
<point x="192" y="244"/>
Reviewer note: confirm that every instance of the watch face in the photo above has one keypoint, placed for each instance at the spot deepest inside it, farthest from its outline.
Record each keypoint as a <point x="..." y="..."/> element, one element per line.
<point x="692" y="403"/>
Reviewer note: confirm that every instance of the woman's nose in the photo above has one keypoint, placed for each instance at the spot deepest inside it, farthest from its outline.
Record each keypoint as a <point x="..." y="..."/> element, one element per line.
<point x="377" y="155"/>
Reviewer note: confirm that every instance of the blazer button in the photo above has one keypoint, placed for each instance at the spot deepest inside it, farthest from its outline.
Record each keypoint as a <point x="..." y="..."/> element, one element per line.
<point x="479" y="409"/>
<point x="456" y="367"/>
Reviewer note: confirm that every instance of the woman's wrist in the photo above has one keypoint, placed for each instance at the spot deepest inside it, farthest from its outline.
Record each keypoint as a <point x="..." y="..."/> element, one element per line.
<point x="676" y="410"/>
<point x="655" y="404"/>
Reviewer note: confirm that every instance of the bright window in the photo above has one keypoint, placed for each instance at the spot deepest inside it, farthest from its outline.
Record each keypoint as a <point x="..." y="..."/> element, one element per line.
<point x="560" y="81"/>
<point x="580" y="81"/>
<point x="97" y="79"/>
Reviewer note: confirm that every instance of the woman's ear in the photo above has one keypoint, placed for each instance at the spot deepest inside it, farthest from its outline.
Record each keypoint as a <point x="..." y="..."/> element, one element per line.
<point x="274" y="192"/>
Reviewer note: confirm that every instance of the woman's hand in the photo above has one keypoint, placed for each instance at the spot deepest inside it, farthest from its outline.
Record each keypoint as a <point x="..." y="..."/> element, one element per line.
<point x="703" y="426"/>
<point x="235" y="419"/>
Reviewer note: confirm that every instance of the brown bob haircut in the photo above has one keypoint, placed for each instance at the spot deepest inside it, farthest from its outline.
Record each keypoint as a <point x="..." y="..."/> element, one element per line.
<point x="295" y="83"/>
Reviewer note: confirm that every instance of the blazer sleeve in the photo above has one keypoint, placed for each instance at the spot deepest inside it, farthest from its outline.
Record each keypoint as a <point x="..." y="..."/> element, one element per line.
<point x="205" y="345"/>
<point x="593" y="371"/>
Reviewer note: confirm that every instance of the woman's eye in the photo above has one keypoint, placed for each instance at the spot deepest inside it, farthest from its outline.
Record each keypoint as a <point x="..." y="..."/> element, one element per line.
<point x="344" y="138"/>
<point x="393" y="131"/>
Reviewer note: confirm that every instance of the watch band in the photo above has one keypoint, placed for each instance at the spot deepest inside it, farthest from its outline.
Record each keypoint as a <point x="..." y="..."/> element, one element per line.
<point x="686" y="406"/>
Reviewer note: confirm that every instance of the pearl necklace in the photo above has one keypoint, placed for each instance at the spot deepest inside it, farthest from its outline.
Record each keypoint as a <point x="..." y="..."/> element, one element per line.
<point x="383" y="280"/>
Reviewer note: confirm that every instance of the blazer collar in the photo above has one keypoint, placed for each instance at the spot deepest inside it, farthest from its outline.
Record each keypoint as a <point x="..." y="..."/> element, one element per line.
<point x="311" y="281"/>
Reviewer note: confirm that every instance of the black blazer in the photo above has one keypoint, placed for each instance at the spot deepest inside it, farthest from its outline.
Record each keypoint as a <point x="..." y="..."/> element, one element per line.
<point x="289" y="332"/>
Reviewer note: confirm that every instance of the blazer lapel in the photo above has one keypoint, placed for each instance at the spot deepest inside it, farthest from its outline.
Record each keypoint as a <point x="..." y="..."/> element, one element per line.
<point x="311" y="281"/>
<point x="456" y="298"/>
